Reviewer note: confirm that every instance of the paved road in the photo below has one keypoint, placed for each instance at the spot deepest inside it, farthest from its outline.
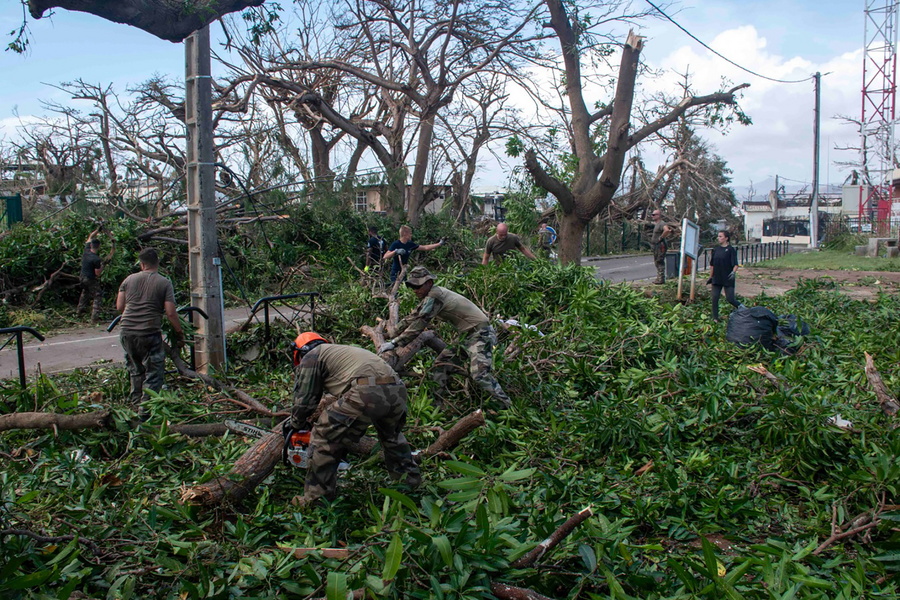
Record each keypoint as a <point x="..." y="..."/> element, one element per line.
<point x="623" y="268"/>
<point x="79" y="348"/>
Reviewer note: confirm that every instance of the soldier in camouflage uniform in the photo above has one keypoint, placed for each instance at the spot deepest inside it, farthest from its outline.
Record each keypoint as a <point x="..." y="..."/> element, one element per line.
<point x="659" y="244"/>
<point x="369" y="393"/>
<point x="478" y="337"/>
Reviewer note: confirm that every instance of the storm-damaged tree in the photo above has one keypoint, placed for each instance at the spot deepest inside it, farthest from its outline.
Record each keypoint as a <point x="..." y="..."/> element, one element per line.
<point x="67" y="157"/>
<point x="600" y="138"/>
<point x="417" y="55"/>
<point x="171" y="20"/>
<point x="298" y="97"/>
<point x="481" y="115"/>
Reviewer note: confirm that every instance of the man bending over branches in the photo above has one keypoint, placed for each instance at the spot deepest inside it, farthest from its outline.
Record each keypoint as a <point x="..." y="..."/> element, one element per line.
<point x="478" y="337"/>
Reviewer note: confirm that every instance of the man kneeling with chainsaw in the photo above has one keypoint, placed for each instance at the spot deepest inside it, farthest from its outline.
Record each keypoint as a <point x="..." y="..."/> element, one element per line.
<point x="369" y="393"/>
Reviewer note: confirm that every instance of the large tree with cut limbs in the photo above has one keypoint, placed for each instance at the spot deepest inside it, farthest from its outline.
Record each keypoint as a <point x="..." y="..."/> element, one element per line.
<point x="599" y="163"/>
<point x="171" y="20"/>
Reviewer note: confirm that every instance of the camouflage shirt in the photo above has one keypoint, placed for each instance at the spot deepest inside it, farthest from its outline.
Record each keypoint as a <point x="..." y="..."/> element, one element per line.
<point x="332" y="368"/>
<point x="443" y="304"/>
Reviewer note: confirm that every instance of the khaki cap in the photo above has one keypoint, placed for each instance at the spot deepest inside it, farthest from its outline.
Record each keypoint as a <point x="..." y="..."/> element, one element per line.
<point x="419" y="275"/>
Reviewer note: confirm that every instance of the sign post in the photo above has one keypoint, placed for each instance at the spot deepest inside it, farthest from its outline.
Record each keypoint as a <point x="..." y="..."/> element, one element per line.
<point x="690" y="246"/>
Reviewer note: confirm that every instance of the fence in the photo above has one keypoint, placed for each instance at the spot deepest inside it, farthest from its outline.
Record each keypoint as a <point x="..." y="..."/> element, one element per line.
<point x="868" y="227"/>
<point x="612" y="238"/>
<point x="749" y="253"/>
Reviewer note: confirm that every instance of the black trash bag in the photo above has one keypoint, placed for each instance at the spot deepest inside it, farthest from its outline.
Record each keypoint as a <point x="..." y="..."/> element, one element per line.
<point x="791" y="326"/>
<point x="749" y="325"/>
<point x="790" y="334"/>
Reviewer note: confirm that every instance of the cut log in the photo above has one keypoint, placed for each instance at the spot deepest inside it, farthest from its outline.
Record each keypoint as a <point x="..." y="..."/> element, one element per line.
<point x="450" y="438"/>
<point x="247" y="473"/>
<point x="261" y="458"/>
<point x="42" y="420"/>
<point x="889" y="404"/>
<point x="511" y="592"/>
<point x="551" y="542"/>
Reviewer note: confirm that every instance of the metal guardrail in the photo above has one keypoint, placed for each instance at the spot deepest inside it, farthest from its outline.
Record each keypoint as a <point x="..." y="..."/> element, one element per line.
<point x="189" y="310"/>
<point x="270" y="300"/>
<point x="749" y="253"/>
<point x="17" y="334"/>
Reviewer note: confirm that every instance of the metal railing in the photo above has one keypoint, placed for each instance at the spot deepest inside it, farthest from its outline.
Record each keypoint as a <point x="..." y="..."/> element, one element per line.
<point x="749" y="253"/>
<point x="17" y="335"/>
<point x="272" y="301"/>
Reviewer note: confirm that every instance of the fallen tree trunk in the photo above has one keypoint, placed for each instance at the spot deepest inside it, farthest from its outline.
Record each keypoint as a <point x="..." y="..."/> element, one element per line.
<point x="450" y="438"/>
<point x="889" y="404"/>
<point x="41" y="420"/>
<point x="259" y="461"/>
<point x="247" y="473"/>
<point x="398" y="358"/>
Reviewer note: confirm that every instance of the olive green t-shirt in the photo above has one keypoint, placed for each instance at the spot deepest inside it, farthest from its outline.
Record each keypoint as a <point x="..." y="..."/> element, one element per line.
<point x="146" y="294"/>
<point x="346" y="363"/>
<point x="496" y="247"/>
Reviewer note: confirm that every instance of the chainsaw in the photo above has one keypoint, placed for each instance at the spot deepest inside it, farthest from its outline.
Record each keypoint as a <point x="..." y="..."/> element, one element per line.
<point x="296" y="449"/>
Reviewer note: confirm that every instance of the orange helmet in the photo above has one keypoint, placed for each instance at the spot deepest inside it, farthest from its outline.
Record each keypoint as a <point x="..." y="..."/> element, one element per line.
<point x="305" y="342"/>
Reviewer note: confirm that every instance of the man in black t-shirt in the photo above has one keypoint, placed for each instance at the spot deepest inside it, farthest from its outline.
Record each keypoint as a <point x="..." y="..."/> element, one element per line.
<point x="91" y="266"/>
<point x="375" y="248"/>
<point x="402" y="248"/>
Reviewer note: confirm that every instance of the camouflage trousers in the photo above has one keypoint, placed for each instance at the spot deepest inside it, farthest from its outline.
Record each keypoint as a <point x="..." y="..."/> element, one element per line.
<point x="479" y="345"/>
<point x="90" y="290"/>
<point x="345" y="422"/>
<point x="145" y="360"/>
<point x="659" y="259"/>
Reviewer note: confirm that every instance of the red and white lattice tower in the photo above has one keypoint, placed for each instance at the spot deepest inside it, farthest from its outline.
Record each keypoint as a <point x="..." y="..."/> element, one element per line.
<point x="879" y="94"/>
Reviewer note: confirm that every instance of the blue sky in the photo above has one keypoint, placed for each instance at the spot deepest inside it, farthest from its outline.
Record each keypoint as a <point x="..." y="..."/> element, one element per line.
<point x="785" y="39"/>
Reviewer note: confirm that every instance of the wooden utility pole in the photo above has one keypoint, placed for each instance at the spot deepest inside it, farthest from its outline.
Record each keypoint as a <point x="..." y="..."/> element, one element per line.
<point x="206" y="287"/>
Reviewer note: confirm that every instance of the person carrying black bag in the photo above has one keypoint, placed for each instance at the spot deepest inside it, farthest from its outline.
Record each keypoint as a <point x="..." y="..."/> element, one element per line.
<point x="722" y="268"/>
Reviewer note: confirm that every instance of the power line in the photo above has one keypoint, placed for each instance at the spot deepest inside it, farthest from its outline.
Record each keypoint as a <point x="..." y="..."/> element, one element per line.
<point x="725" y="58"/>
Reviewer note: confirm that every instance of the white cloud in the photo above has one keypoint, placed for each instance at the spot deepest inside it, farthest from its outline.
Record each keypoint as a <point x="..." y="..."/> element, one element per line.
<point x="780" y="141"/>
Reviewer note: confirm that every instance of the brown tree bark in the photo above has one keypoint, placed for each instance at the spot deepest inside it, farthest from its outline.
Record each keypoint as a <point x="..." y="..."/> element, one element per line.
<point x="551" y="542"/>
<point x="259" y="461"/>
<point x="41" y="420"/>
<point x="247" y="473"/>
<point x="511" y="592"/>
<point x="889" y="404"/>
<point x="171" y="20"/>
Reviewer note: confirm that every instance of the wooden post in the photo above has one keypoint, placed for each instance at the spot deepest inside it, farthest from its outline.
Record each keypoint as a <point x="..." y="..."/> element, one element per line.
<point x="206" y="289"/>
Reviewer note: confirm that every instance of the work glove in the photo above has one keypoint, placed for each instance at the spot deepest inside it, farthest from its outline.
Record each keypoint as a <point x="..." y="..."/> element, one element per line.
<point x="709" y="281"/>
<point x="179" y="341"/>
<point x="441" y="242"/>
<point x="386" y="347"/>
<point x="401" y="251"/>
<point x="731" y="276"/>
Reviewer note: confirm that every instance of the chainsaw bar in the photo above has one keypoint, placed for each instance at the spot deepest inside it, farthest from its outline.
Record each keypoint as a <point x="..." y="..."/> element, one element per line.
<point x="246" y="429"/>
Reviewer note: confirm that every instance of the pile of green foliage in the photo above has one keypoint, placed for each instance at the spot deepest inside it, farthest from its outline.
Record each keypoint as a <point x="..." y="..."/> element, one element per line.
<point x="306" y="250"/>
<point x="706" y="479"/>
